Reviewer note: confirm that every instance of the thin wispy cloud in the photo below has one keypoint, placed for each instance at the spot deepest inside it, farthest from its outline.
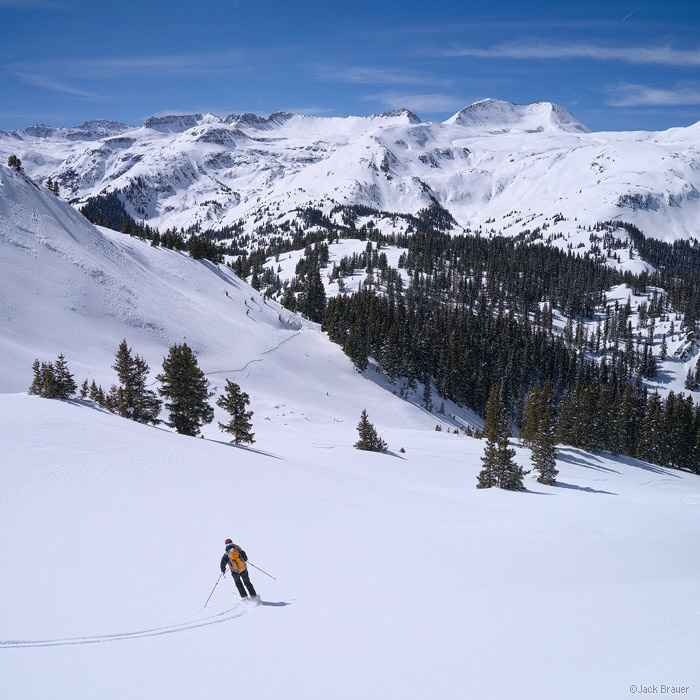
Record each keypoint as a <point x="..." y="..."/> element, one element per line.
<point x="49" y="83"/>
<point x="215" y="63"/>
<point x="380" y="76"/>
<point x="664" y="55"/>
<point x="632" y="95"/>
<point x="435" y="102"/>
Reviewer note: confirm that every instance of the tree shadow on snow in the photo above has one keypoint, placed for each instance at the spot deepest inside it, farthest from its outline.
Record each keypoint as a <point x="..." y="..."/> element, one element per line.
<point x="246" y="448"/>
<point x="582" y="459"/>
<point x="587" y="489"/>
<point x="647" y="466"/>
<point x="535" y="493"/>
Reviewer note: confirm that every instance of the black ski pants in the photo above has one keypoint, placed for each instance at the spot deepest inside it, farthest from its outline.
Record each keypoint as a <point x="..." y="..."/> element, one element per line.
<point x="240" y="579"/>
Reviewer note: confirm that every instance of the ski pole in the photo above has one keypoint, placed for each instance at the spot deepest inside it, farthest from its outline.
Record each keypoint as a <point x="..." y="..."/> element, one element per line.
<point x="213" y="589"/>
<point x="259" y="569"/>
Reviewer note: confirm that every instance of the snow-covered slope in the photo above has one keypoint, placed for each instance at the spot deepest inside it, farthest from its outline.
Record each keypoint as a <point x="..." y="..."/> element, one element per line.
<point x="67" y="287"/>
<point x="512" y="165"/>
<point x="396" y="578"/>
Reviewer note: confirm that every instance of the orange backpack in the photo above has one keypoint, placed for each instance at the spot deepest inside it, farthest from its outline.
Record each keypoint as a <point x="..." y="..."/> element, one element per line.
<point x="236" y="560"/>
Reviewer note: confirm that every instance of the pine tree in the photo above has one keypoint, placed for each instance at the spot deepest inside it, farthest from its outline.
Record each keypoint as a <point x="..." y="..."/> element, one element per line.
<point x="84" y="389"/>
<point x="48" y="380"/>
<point x="312" y="302"/>
<point x="369" y="439"/>
<point x="14" y="162"/>
<point x="131" y="399"/>
<point x="65" y="385"/>
<point x="234" y="401"/>
<point x="531" y="416"/>
<point x="37" y="386"/>
<point x="427" y="396"/>
<point x="499" y="468"/>
<point x="185" y="385"/>
<point x="356" y="346"/>
<point x="544" y="451"/>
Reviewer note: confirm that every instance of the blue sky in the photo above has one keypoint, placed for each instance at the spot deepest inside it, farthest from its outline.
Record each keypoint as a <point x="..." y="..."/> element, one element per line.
<point x="615" y="65"/>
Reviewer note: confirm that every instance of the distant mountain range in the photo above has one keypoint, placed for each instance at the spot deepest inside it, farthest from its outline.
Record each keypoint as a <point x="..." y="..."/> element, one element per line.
<point x="493" y="165"/>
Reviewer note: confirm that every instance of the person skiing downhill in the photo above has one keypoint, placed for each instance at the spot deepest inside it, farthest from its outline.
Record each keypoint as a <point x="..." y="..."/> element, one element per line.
<point x="235" y="558"/>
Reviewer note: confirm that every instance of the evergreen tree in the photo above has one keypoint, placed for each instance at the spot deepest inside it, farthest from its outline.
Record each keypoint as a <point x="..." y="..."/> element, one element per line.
<point x="369" y="439"/>
<point x="37" y="386"/>
<point x="499" y="468"/>
<point x="84" y="389"/>
<point x="185" y="387"/>
<point x="544" y="451"/>
<point x="131" y="399"/>
<point x="427" y="396"/>
<point x="65" y="385"/>
<point x="48" y="380"/>
<point x="14" y="162"/>
<point x="312" y="302"/>
<point x="531" y="416"/>
<point x="356" y="345"/>
<point x="234" y="401"/>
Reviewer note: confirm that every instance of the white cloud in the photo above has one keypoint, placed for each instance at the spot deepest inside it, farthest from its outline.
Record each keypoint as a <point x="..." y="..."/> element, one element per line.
<point x="48" y="83"/>
<point x="127" y="66"/>
<point x="435" y="102"/>
<point x="631" y="95"/>
<point x="665" y="55"/>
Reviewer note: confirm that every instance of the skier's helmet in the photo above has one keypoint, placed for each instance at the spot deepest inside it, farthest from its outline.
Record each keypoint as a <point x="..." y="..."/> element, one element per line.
<point x="228" y="542"/>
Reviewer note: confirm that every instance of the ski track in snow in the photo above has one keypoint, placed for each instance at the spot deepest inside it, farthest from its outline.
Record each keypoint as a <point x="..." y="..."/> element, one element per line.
<point x="259" y="359"/>
<point x="240" y="610"/>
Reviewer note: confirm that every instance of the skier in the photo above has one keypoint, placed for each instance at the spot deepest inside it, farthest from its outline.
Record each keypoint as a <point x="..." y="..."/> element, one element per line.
<point x="235" y="558"/>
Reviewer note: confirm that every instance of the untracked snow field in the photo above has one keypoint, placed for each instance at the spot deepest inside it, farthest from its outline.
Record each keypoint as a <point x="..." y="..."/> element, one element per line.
<point x="396" y="578"/>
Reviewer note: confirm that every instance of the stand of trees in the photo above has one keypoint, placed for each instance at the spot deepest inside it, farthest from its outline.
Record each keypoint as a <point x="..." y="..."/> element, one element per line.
<point x="183" y="386"/>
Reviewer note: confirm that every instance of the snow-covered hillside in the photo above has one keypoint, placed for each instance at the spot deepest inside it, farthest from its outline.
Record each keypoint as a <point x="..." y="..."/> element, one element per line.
<point x="514" y="166"/>
<point x="396" y="578"/>
<point x="68" y="287"/>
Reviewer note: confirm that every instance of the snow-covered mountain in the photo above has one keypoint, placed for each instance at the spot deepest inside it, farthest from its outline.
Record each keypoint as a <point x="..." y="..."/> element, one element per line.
<point x="513" y="166"/>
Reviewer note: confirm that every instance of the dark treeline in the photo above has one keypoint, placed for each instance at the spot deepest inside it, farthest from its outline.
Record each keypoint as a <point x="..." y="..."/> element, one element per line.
<point x="108" y="210"/>
<point x="626" y="419"/>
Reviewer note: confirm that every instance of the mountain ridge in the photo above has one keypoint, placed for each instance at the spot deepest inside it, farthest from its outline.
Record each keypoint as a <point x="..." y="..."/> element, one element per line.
<point x="487" y="160"/>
